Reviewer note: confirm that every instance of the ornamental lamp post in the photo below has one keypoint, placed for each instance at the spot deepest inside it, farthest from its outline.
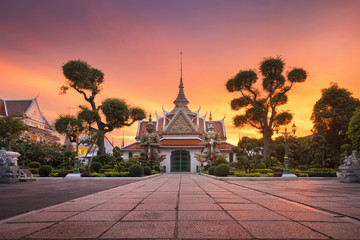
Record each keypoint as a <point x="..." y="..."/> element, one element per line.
<point x="286" y="136"/>
<point x="74" y="131"/>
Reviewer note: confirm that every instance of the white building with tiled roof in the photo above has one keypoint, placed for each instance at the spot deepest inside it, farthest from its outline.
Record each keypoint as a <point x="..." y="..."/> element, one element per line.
<point x="39" y="127"/>
<point x="180" y="132"/>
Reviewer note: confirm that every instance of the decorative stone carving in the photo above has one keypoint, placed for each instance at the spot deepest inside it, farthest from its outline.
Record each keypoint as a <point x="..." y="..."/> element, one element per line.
<point x="350" y="170"/>
<point x="180" y="126"/>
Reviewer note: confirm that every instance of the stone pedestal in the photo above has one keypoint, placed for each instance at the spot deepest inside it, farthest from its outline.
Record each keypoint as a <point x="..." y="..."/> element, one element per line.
<point x="350" y="170"/>
<point x="9" y="174"/>
<point x="73" y="176"/>
<point x="289" y="175"/>
<point x="349" y="174"/>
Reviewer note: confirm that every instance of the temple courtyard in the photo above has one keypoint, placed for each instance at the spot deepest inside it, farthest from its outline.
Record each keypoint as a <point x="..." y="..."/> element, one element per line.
<point x="189" y="206"/>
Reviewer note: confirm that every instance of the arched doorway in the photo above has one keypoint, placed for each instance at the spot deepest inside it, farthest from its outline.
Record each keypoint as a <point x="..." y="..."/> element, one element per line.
<point x="180" y="161"/>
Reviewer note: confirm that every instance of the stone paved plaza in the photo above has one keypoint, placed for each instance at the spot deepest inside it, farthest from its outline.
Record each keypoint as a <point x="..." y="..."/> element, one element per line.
<point x="189" y="206"/>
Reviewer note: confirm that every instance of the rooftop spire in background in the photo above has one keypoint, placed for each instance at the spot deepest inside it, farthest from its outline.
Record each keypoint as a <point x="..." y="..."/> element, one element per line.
<point x="181" y="99"/>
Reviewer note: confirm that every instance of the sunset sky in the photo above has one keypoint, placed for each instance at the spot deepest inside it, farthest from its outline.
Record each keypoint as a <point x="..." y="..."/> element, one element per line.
<point x="137" y="44"/>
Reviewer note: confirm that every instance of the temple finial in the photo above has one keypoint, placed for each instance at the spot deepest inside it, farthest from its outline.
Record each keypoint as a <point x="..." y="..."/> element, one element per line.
<point x="210" y="118"/>
<point x="181" y="99"/>
<point x="181" y="83"/>
<point x="150" y="120"/>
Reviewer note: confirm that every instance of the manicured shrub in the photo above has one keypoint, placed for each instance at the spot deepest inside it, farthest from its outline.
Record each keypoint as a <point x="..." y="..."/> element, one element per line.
<point x="116" y="174"/>
<point x="103" y="170"/>
<point x="62" y="174"/>
<point x="264" y="171"/>
<point x="220" y="161"/>
<point x="85" y="174"/>
<point x="231" y="172"/>
<point x="96" y="166"/>
<point x="303" y="167"/>
<point x="34" y="170"/>
<point x="53" y="174"/>
<point x="270" y="174"/>
<point x="108" y="167"/>
<point x="34" y="165"/>
<point x="304" y="175"/>
<point x="103" y="158"/>
<point x="221" y="170"/>
<point x="44" y="170"/>
<point x="211" y="170"/>
<point x="136" y="170"/>
<point x="278" y="174"/>
<point x="260" y="165"/>
<point x="157" y="168"/>
<point x="147" y="170"/>
<point x="257" y="174"/>
<point x="94" y="174"/>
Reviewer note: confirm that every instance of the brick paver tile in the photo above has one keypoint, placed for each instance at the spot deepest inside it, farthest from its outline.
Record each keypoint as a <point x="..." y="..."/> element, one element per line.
<point x="256" y="215"/>
<point x="98" y="216"/>
<point x="71" y="230"/>
<point x="336" y="230"/>
<point x="280" y="230"/>
<point x="211" y="230"/>
<point x="114" y="206"/>
<point x="45" y="217"/>
<point x="198" y="206"/>
<point x="19" y="230"/>
<point x="242" y="207"/>
<point x="311" y="216"/>
<point x="141" y="230"/>
<point x="155" y="206"/>
<point x="150" y="215"/>
<point x="203" y="215"/>
<point x="72" y="207"/>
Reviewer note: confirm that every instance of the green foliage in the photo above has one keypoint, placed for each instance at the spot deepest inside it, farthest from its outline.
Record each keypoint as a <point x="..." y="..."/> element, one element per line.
<point x="34" y="170"/>
<point x="147" y="170"/>
<point x="260" y="165"/>
<point x="94" y="174"/>
<point x="331" y="116"/>
<point x="116" y="174"/>
<point x="62" y="122"/>
<point x="136" y="170"/>
<point x="211" y="170"/>
<point x="354" y="129"/>
<point x="248" y="174"/>
<point x="87" y="81"/>
<point x="220" y="161"/>
<point x="44" y="170"/>
<point x="264" y="171"/>
<point x="304" y="175"/>
<point x="257" y="103"/>
<point x="96" y="166"/>
<point x="221" y="170"/>
<point x="272" y="162"/>
<point x="270" y="174"/>
<point x="103" y="170"/>
<point x="248" y="153"/>
<point x="34" y="165"/>
<point x="12" y="124"/>
<point x="105" y="159"/>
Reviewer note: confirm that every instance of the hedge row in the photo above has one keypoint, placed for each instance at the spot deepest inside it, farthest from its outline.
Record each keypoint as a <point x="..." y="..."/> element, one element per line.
<point x="117" y="174"/>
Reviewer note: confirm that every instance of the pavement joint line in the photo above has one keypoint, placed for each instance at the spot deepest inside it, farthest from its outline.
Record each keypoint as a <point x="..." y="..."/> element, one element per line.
<point x="313" y="208"/>
<point x="291" y="220"/>
<point x="176" y="228"/>
<point x="223" y="209"/>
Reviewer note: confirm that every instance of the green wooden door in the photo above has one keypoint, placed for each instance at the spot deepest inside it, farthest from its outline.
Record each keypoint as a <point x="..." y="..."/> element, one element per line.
<point x="180" y="161"/>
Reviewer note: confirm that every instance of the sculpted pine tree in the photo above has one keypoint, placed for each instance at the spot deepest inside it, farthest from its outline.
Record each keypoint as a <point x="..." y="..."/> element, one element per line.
<point x="261" y="105"/>
<point x="87" y="81"/>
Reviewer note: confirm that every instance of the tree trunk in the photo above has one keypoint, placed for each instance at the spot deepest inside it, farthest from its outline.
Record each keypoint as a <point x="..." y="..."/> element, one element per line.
<point x="267" y="143"/>
<point x="101" y="144"/>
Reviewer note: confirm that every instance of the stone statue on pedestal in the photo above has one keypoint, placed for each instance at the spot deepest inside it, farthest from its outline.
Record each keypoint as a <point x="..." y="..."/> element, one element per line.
<point x="210" y="140"/>
<point x="151" y="143"/>
<point x="8" y="169"/>
<point x="350" y="170"/>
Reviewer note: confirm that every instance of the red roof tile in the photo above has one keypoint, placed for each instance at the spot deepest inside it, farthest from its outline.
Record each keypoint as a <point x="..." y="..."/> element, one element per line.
<point x="226" y="145"/>
<point x="17" y="106"/>
<point x="180" y="142"/>
<point x="133" y="146"/>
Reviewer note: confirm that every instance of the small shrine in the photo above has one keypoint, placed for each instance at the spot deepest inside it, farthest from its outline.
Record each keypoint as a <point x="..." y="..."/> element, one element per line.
<point x="181" y="139"/>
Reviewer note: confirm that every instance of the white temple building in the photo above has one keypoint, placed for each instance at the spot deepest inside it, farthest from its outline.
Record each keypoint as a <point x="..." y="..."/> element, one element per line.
<point x="180" y="132"/>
